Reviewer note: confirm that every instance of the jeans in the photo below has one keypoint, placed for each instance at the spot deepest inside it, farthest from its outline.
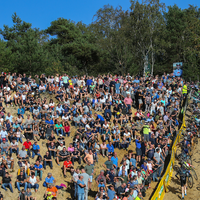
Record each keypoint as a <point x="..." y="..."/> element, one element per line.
<point x="128" y="107"/>
<point x="78" y="158"/>
<point x="35" y="186"/>
<point x="40" y="172"/>
<point x="19" y="139"/>
<point x="68" y="134"/>
<point x="80" y="196"/>
<point x="76" y="124"/>
<point x="5" y="185"/>
<point x="14" y="151"/>
<point x="75" y="190"/>
<point x="52" y="153"/>
<point x="124" y="146"/>
<point x="40" y="91"/>
<point x="4" y="150"/>
<point x="34" y="153"/>
<point x="117" y="145"/>
<point x="22" y="185"/>
<point x="48" y="162"/>
<point x="86" y="193"/>
<point x="57" y="131"/>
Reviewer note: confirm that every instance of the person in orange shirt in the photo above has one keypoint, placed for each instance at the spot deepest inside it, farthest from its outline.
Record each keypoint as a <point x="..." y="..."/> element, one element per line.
<point x="68" y="166"/>
<point x="51" y="188"/>
<point x="89" y="157"/>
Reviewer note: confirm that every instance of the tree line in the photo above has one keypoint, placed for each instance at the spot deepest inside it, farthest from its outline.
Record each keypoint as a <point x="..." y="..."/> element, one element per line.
<point x="117" y="41"/>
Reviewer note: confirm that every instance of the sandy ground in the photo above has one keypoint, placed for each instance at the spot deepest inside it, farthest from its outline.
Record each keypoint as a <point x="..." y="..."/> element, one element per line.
<point x="175" y="187"/>
<point x="57" y="172"/>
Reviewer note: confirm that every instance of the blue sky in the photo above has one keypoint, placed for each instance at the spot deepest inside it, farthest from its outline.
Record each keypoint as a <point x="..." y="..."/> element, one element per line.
<point x="41" y="12"/>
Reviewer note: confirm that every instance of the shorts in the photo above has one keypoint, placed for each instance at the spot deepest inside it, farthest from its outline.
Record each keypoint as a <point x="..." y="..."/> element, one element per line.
<point x="146" y="137"/>
<point x="91" y="177"/>
<point x="140" y="101"/>
<point x="183" y="181"/>
<point x="138" y="152"/>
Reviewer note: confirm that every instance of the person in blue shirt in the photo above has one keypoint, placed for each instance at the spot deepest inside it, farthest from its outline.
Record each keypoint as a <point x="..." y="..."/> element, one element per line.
<point x="111" y="192"/>
<point x="101" y="185"/>
<point x="50" y="122"/>
<point x="133" y="160"/>
<point x="38" y="169"/>
<point x="21" y="111"/>
<point x="138" y="148"/>
<point x="80" y="188"/>
<point x="49" y="180"/>
<point x="115" y="160"/>
<point x="99" y="118"/>
<point x="35" y="149"/>
<point x="110" y="148"/>
<point x="117" y="87"/>
<point x="178" y="72"/>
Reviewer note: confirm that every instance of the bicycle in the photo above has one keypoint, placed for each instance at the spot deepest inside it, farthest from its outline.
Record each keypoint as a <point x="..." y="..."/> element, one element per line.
<point x="189" y="178"/>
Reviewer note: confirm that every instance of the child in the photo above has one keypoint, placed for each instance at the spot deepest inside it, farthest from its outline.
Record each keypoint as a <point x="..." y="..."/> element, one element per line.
<point x="49" y="196"/>
<point x="101" y="185"/>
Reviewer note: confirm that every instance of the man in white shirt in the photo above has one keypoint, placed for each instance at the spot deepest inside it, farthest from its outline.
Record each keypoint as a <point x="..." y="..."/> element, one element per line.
<point x="3" y="134"/>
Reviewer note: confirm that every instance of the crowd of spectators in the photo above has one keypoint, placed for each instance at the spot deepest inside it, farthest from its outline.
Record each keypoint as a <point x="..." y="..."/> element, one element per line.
<point x="101" y="110"/>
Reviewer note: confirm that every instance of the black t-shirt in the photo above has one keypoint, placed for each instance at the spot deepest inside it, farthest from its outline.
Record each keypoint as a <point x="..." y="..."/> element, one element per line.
<point x="112" y="84"/>
<point x="75" y="153"/>
<point x="47" y="157"/>
<point x="116" y="109"/>
<point x="51" y="138"/>
<point x="21" y="178"/>
<point x="28" y="129"/>
<point x="6" y="179"/>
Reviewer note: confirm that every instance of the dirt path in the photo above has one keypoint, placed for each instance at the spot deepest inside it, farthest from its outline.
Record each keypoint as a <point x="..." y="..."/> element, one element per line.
<point x="175" y="186"/>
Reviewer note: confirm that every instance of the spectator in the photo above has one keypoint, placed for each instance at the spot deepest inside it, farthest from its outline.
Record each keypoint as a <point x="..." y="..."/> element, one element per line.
<point x="49" y="180"/>
<point x="6" y="182"/>
<point x="68" y="166"/>
<point x="35" y="149"/>
<point x="33" y="182"/>
<point x="47" y="160"/>
<point x="21" y="181"/>
<point x="90" y="170"/>
<point x="38" y="169"/>
<point x="5" y="146"/>
<point x="80" y="188"/>
<point x="22" y="154"/>
<point x="51" y="188"/>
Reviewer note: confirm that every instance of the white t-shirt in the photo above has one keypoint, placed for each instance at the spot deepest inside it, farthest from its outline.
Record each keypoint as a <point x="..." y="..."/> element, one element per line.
<point x="3" y="134"/>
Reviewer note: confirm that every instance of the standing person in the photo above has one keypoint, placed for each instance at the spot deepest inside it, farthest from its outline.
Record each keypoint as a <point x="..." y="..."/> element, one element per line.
<point x="146" y="130"/>
<point x="183" y="173"/>
<point x="75" y="179"/>
<point x="80" y="188"/>
<point x="89" y="169"/>
<point x="86" y="180"/>
<point x="138" y="149"/>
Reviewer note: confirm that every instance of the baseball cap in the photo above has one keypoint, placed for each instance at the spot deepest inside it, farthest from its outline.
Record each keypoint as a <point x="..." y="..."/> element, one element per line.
<point x="4" y="139"/>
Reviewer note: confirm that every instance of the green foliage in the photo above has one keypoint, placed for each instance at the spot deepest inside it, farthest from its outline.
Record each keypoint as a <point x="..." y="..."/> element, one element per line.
<point x="117" y="42"/>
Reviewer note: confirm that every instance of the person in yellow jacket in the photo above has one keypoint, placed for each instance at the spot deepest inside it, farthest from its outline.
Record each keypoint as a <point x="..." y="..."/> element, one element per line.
<point x="184" y="89"/>
<point x="139" y="196"/>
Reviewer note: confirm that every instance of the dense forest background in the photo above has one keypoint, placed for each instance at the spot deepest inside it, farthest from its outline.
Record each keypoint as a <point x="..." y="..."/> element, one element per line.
<point x="117" y="41"/>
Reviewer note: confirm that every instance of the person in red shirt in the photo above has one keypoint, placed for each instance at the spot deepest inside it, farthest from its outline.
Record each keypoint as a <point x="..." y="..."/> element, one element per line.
<point x="27" y="145"/>
<point x="68" y="166"/>
<point x="67" y="129"/>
